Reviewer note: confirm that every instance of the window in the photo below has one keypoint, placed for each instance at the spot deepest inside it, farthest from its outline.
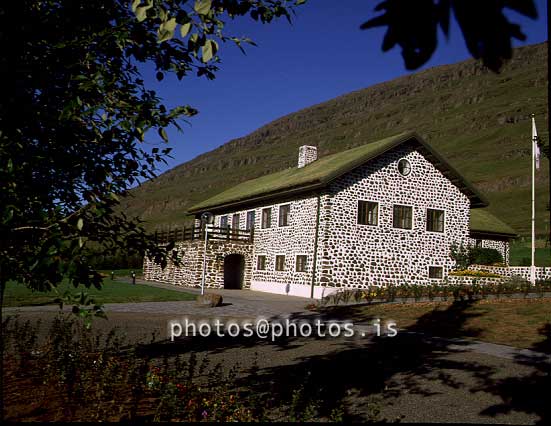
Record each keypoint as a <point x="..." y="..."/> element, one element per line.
<point x="367" y="212"/>
<point x="436" y="272"/>
<point x="250" y="220"/>
<point x="223" y="221"/>
<point x="301" y="263"/>
<point x="267" y="217"/>
<point x="280" y="263"/>
<point x="235" y="221"/>
<point x="478" y="243"/>
<point x="404" y="167"/>
<point x="435" y="220"/>
<point x="284" y="214"/>
<point x="402" y="217"/>
<point x="261" y="262"/>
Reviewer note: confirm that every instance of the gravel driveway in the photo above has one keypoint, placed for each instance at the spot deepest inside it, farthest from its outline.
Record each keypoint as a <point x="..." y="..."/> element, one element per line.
<point x="408" y="377"/>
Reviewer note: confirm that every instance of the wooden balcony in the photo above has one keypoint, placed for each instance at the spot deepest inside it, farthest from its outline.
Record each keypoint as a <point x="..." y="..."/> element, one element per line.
<point x="198" y="233"/>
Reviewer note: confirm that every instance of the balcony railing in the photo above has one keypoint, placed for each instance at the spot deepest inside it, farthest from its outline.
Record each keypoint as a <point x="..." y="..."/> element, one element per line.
<point x="198" y="233"/>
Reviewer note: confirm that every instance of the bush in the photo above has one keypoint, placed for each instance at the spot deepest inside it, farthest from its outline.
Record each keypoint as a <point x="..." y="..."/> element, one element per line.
<point x="484" y="256"/>
<point x="460" y="254"/>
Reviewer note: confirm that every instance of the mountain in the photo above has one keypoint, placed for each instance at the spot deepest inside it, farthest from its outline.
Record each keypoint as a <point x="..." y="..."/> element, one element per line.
<point x="480" y="121"/>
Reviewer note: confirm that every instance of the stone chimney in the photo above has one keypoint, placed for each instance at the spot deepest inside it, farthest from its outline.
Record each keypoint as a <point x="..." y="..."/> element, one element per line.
<point x="306" y="155"/>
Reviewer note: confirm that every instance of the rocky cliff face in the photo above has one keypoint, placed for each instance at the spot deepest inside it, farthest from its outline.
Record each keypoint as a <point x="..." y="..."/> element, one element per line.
<point x="477" y="119"/>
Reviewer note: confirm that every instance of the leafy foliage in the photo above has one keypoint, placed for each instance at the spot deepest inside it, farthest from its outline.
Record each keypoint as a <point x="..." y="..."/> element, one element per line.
<point x="460" y="254"/>
<point x="78" y="121"/>
<point x="413" y="25"/>
<point x="484" y="256"/>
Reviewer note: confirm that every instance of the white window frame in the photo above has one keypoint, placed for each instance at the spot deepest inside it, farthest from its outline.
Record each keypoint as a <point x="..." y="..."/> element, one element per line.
<point x="305" y="263"/>
<point x="284" y="262"/>
<point x="427" y="222"/>
<point x="412" y="217"/>
<point x="435" y="266"/>
<point x="358" y="212"/>
<point x="262" y="218"/>
<point x="279" y="215"/>
<point x="265" y="262"/>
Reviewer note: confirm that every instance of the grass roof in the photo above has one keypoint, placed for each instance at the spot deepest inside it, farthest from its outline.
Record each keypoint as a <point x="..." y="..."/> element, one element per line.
<point x="484" y="222"/>
<point x="322" y="171"/>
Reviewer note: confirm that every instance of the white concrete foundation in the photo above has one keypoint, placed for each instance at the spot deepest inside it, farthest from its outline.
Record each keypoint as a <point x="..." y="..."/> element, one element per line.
<point x="299" y="290"/>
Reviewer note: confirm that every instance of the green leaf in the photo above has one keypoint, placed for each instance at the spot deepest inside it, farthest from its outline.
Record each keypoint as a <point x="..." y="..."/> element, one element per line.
<point x="80" y="223"/>
<point x="135" y="5"/>
<point x="166" y="30"/>
<point x="10" y="165"/>
<point x="299" y="2"/>
<point x="169" y="25"/>
<point x="162" y="134"/>
<point x="209" y="50"/>
<point x="141" y="13"/>
<point x="202" y="7"/>
<point x="184" y="29"/>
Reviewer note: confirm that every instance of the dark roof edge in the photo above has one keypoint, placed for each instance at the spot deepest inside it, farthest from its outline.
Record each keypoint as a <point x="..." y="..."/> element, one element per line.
<point x="491" y="233"/>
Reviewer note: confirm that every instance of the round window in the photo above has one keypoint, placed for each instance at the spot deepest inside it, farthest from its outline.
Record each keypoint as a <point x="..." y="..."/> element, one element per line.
<point x="404" y="167"/>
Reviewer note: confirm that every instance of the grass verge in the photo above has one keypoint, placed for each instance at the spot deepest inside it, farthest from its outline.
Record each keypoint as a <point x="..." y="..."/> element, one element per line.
<point x="111" y="292"/>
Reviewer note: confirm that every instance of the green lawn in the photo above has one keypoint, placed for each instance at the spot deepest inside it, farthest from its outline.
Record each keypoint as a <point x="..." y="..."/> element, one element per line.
<point x="111" y="292"/>
<point x="520" y="255"/>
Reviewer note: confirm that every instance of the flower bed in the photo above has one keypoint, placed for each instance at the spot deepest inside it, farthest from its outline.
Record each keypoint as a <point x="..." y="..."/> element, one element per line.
<point x="474" y="273"/>
<point x="492" y="286"/>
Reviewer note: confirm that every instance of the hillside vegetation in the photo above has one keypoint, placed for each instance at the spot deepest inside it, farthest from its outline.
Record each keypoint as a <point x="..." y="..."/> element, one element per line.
<point x="480" y="121"/>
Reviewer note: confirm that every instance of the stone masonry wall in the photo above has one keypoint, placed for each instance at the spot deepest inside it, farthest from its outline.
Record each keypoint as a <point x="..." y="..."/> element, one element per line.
<point x="359" y="255"/>
<point x="297" y="238"/>
<point x="306" y="155"/>
<point x="190" y="272"/>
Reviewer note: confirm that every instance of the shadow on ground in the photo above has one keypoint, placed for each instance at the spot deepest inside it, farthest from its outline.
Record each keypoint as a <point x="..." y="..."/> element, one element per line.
<point x="358" y="373"/>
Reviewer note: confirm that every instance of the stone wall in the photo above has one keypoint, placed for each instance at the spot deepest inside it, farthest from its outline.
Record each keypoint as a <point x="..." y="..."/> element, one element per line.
<point x="463" y="280"/>
<point x="307" y="154"/>
<point x="542" y="272"/>
<point x="190" y="272"/>
<point x="296" y="238"/>
<point x="356" y="255"/>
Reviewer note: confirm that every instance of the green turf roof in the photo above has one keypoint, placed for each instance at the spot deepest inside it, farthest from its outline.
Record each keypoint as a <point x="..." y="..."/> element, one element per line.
<point x="484" y="222"/>
<point x="322" y="171"/>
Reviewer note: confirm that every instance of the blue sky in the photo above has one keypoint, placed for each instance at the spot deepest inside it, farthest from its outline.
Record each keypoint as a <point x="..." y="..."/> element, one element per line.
<point x="323" y="54"/>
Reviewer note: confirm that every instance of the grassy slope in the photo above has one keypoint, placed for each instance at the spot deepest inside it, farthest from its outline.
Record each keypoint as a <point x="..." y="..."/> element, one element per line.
<point x="112" y="292"/>
<point x="476" y="119"/>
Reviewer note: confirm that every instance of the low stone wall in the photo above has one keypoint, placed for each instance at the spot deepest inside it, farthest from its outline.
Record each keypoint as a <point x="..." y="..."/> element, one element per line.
<point x="542" y="272"/>
<point x="189" y="272"/>
<point x="466" y="280"/>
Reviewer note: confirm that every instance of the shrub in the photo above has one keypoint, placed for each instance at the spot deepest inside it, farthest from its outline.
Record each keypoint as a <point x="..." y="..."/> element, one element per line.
<point x="484" y="256"/>
<point x="460" y="254"/>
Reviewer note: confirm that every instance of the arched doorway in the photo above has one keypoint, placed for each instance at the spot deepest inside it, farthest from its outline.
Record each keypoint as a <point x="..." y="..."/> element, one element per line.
<point x="234" y="267"/>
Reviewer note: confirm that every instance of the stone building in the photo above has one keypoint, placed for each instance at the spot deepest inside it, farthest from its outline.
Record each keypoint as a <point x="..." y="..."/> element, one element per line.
<point x="379" y="214"/>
